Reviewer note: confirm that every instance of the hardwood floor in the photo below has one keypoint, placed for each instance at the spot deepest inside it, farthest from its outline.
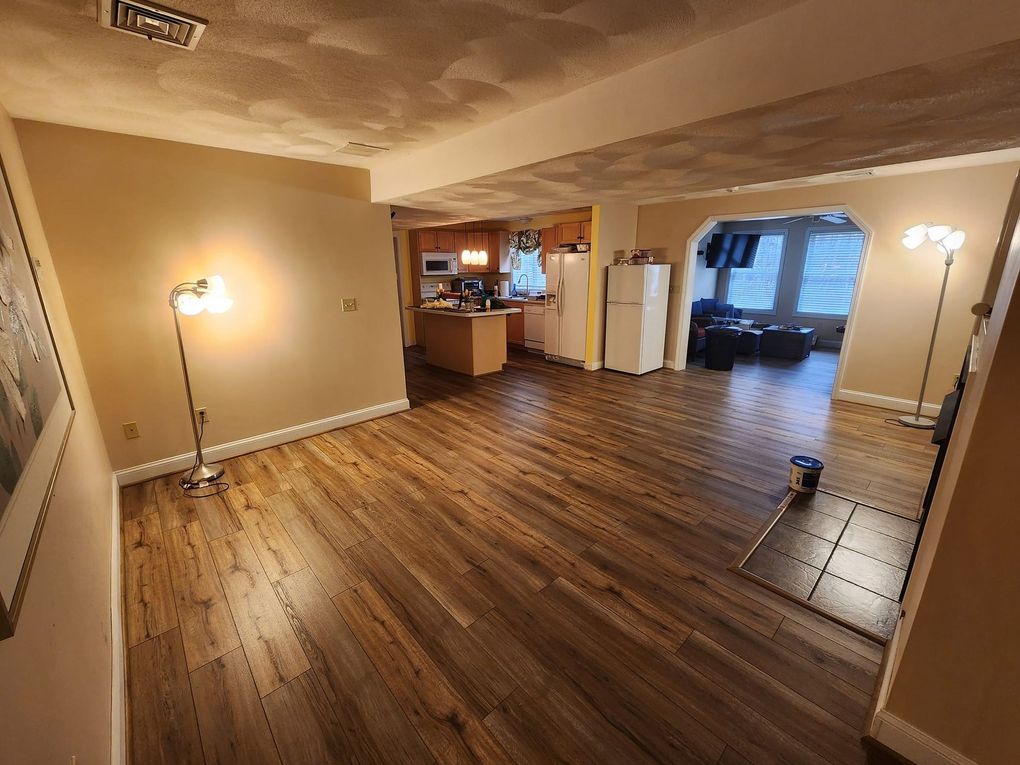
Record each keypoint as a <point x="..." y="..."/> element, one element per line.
<point x="526" y="567"/>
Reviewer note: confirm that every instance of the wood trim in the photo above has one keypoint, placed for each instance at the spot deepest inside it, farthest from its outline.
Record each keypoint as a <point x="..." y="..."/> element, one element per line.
<point x="886" y="402"/>
<point x="181" y="462"/>
<point x="118" y="678"/>
<point x="913" y="743"/>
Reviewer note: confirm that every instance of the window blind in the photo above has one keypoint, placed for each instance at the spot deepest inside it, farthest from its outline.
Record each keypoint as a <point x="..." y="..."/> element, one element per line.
<point x="531" y="266"/>
<point x="830" y="270"/>
<point x="755" y="288"/>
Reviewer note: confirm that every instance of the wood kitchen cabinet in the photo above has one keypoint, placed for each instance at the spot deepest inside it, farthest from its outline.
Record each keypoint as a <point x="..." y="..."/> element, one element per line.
<point x="433" y="240"/>
<point x="549" y="240"/>
<point x="515" y="329"/>
<point x="578" y="232"/>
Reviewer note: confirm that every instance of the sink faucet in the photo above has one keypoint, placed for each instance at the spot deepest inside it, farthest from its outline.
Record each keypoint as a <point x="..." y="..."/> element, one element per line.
<point x="527" y="285"/>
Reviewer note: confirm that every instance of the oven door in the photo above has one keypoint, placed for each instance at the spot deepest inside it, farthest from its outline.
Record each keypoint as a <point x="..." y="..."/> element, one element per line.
<point x="438" y="264"/>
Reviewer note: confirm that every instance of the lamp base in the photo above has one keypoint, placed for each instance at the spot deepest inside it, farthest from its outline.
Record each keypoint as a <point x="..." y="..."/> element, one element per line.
<point x="917" y="421"/>
<point x="201" y="476"/>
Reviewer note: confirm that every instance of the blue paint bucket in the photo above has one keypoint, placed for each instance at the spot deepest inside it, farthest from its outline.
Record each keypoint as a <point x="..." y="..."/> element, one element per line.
<point x="805" y="473"/>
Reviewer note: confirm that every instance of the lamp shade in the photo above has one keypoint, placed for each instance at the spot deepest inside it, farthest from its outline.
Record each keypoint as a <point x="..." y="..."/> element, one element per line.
<point x="912" y="242"/>
<point x="938" y="233"/>
<point x="189" y="304"/>
<point x="217" y="303"/>
<point x="953" y="241"/>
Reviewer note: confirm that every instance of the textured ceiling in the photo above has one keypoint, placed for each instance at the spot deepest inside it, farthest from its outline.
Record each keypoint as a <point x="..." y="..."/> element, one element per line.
<point x="302" y="77"/>
<point x="959" y="105"/>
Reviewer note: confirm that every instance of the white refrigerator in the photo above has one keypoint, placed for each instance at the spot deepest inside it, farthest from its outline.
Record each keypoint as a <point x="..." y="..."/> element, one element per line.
<point x="636" y="302"/>
<point x="566" y="306"/>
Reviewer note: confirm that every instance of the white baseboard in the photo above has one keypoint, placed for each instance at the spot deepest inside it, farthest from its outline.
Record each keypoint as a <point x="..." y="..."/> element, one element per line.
<point x="118" y="729"/>
<point x="182" y="462"/>
<point x="913" y="743"/>
<point x="591" y="366"/>
<point x="668" y="364"/>
<point x="887" y="402"/>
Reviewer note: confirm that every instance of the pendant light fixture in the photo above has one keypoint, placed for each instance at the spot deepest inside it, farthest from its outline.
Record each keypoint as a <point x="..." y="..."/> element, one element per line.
<point x="465" y="255"/>
<point x="470" y="256"/>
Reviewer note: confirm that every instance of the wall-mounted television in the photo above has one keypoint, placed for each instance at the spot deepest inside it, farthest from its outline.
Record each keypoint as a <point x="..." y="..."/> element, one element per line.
<point x="732" y="250"/>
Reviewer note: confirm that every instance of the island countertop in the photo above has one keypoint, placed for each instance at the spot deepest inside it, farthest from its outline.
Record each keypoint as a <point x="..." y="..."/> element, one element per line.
<point x="462" y="314"/>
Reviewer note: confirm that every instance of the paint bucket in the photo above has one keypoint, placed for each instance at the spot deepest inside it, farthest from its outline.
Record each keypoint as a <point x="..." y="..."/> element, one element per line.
<point x="804" y="473"/>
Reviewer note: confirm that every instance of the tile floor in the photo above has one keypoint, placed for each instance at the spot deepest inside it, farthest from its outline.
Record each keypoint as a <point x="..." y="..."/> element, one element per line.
<point x="843" y="557"/>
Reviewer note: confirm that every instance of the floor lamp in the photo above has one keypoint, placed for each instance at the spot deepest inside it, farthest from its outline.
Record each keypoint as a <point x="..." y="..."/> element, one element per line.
<point x="191" y="298"/>
<point x="949" y="241"/>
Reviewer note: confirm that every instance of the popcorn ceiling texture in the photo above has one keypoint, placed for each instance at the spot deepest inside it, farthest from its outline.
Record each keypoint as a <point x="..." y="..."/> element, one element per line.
<point x="959" y="105"/>
<point x="301" y="77"/>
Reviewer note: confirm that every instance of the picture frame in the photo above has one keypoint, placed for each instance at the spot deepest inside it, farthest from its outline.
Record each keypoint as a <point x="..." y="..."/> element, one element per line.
<point x="36" y="411"/>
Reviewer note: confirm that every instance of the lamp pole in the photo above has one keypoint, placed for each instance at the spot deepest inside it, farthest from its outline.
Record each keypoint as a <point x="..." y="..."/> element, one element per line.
<point x="201" y="474"/>
<point x="915" y="420"/>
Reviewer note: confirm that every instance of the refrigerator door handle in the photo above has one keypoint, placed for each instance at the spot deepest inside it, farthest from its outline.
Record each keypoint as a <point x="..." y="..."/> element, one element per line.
<point x="559" y="295"/>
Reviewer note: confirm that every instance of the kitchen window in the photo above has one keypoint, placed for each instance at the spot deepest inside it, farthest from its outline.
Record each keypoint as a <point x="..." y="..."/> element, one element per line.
<point x="531" y="264"/>
<point x="830" y="272"/>
<point x="754" y="289"/>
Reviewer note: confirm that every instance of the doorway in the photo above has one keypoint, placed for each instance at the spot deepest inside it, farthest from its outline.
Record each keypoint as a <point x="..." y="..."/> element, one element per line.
<point x="788" y="280"/>
<point x="399" y="267"/>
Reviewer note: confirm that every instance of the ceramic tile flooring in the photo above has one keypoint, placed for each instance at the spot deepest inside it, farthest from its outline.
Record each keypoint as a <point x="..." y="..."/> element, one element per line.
<point x="845" y="558"/>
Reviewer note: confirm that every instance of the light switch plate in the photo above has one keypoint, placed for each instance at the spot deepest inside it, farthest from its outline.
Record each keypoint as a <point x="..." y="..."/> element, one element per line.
<point x="131" y="430"/>
<point x="348" y="304"/>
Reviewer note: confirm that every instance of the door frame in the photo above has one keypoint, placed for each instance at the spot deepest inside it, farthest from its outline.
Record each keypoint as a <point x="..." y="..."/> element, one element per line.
<point x="405" y="316"/>
<point x="682" y="312"/>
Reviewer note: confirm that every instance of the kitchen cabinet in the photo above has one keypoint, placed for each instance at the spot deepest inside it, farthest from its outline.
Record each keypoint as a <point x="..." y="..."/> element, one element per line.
<point x="578" y="232"/>
<point x="433" y="240"/>
<point x="549" y="241"/>
<point x="515" y="329"/>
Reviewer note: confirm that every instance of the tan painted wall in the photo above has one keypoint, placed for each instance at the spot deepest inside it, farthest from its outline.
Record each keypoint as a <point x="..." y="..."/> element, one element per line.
<point x="899" y="289"/>
<point x="614" y="228"/>
<point x="127" y="218"/>
<point x="56" y="670"/>
<point x="957" y="674"/>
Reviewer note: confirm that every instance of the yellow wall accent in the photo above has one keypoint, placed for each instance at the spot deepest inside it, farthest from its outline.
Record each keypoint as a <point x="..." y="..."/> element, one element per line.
<point x="593" y="286"/>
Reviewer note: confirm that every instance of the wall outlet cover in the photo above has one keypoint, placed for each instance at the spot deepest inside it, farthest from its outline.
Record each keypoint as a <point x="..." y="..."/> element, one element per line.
<point x="348" y="304"/>
<point x="131" y="430"/>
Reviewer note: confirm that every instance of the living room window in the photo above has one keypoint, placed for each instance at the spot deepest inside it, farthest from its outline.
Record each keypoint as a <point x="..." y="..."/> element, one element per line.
<point x="830" y="271"/>
<point x="754" y="289"/>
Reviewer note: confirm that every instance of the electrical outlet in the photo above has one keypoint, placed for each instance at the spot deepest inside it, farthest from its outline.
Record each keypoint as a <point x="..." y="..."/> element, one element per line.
<point x="348" y="304"/>
<point x="202" y="415"/>
<point x="131" y="430"/>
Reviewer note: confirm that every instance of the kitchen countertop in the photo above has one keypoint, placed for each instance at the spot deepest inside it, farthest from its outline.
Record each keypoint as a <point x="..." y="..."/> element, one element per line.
<point x="462" y="314"/>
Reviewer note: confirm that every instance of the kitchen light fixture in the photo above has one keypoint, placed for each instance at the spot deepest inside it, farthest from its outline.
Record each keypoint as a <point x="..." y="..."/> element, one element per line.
<point x="948" y="240"/>
<point x="470" y="256"/>
<point x="191" y="298"/>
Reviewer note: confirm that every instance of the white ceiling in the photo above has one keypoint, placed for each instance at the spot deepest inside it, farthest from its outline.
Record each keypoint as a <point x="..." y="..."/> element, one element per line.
<point x="959" y="105"/>
<point x="302" y="77"/>
<point x="501" y="108"/>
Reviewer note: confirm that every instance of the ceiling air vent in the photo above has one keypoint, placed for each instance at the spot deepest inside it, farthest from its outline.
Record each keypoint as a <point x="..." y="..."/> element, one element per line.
<point x="152" y="21"/>
<point x="360" y="149"/>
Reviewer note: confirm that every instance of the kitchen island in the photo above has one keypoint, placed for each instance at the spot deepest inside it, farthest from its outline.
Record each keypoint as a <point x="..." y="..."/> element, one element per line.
<point x="470" y="342"/>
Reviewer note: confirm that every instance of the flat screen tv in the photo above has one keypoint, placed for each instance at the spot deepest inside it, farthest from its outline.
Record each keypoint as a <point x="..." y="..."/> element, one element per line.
<point x="732" y="250"/>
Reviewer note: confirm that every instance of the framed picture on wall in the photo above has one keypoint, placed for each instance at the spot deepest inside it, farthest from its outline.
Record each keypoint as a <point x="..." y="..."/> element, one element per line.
<point x="35" y="412"/>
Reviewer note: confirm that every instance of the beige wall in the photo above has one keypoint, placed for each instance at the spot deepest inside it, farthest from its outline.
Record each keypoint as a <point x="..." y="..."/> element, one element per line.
<point x="956" y="671"/>
<point x="127" y="218"/>
<point x="899" y="289"/>
<point x="613" y="230"/>
<point x="55" y="691"/>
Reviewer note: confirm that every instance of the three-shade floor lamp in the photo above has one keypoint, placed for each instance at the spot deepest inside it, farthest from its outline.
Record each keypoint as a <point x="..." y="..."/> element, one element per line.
<point x="948" y="240"/>
<point x="191" y="298"/>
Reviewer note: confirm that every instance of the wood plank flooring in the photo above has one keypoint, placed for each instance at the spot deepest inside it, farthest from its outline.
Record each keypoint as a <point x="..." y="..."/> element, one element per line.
<point x="527" y="567"/>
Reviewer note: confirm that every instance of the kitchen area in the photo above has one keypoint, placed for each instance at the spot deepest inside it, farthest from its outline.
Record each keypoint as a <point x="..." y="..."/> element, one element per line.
<point x="534" y="285"/>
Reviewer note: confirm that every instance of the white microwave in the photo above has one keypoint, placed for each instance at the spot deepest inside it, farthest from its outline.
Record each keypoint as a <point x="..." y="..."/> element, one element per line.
<point x="438" y="263"/>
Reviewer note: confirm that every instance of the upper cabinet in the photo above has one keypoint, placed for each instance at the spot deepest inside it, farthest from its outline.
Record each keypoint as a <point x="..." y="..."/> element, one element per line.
<point x="433" y="240"/>
<point x="578" y="232"/>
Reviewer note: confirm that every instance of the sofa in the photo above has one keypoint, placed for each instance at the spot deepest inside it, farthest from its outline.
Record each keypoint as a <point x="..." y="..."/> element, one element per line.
<point x="706" y="309"/>
<point x="695" y="341"/>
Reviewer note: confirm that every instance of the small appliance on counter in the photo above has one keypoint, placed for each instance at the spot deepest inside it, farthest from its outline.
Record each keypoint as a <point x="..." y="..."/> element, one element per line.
<point x="504" y="289"/>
